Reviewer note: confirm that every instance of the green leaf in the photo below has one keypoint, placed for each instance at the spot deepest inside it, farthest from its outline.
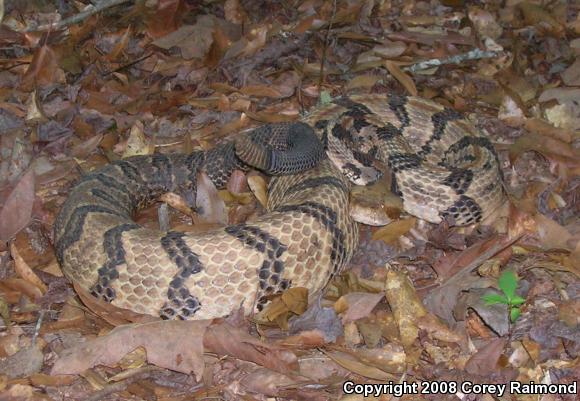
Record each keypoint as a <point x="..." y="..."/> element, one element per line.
<point x="517" y="300"/>
<point x="493" y="299"/>
<point x="514" y="314"/>
<point x="324" y="98"/>
<point x="508" y="282"/>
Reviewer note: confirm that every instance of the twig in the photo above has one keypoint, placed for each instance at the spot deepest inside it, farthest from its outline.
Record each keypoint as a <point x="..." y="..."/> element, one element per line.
<point x="326" y="38"/>
<point x="75" y="19"/>
<point x="37" y="326"/>
<point x="475" y="54"/>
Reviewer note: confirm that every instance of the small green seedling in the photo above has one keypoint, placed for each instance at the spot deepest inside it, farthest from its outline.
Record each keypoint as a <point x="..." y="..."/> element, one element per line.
<point x="508" y="283"/>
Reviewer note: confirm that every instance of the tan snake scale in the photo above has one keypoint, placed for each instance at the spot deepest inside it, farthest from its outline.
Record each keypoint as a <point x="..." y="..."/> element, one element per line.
<point x="441" y="166"/>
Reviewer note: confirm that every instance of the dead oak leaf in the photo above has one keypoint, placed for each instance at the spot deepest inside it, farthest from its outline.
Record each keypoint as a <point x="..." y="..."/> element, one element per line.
<point x="194" y="41"/>
<point x="175" y="345"/>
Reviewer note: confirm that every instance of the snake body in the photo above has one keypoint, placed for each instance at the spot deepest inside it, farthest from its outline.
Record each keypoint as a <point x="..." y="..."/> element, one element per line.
<point x="442" y="167"/>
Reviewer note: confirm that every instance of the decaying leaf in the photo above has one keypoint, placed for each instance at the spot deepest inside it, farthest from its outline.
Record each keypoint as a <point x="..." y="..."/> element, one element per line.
<point x="393" y="231"/>
<point x="176" y="345"/>
<point x="24" y="271"/>
<point x="17" y="209"/>
<point x="406" y="305"/>
<point x="356" y="305"/>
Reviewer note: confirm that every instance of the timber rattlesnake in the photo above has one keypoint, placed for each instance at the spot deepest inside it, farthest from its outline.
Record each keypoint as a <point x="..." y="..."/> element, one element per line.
<point x="441" y="166"/>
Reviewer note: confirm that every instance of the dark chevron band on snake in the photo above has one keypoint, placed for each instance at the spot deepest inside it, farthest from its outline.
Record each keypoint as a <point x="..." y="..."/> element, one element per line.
<point x="441" y="166"/>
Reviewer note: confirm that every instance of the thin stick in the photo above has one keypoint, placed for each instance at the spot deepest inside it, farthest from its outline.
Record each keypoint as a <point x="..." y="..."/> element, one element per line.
<point x="75" y="19"/>
<point x="475" y="54"/>
<point x="321" y="80"/>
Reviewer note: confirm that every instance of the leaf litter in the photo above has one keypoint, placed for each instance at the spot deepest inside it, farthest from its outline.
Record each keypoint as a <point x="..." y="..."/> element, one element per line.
<point x="175" y="76"/>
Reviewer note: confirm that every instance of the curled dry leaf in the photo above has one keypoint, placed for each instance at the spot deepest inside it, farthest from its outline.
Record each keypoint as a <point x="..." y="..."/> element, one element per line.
<point x="357" y="305"/>
<point x="24" y="271"/>
<point x="175" y="345"/>
<point x="403" y="78"/>
<point x="225" y="339"/>
<point x="392" y="232"/>
<point x="406" y="305"/>
<point x="259" y="188"/>
<point x="294" y="300"/>
<point x="137" y="144"/>
<point x="210" y="206"/>
<point x="108" y="312"/>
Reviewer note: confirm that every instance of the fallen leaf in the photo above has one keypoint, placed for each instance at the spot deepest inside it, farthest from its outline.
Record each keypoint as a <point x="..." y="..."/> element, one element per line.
<point x="317" y="318"/>
<point x="175" y="345"/>
<point x="355" y="365"/>
<point x="357" y="305"/>
<point x="571" y="75"/>
<point x="406" y="305"/>
<point x="25" y="362"/>
<point x="259" y="187"/>
<point x="485" y="361"/>
<point x="17" y="209"/>
<point x="24" y="271"/>
<point x="392" y="232"/>
<point x="225" y="339"/>
<point x="209" y="205"/>
<point x="137" y="144"/>
<point x="402" y="77"/>
<point x="536" y="15"/>
<point x="110" y="313"/>
<point x="43" y="69"/>
<point x="194" y="41"/>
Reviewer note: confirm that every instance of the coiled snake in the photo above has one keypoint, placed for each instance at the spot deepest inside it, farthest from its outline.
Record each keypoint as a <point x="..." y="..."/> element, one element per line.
<point x="442" y="167"/>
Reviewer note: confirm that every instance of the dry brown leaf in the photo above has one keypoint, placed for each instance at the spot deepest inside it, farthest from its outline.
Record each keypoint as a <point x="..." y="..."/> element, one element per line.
<point x="25" y="362"/>
<point x="362" y="81"/>
<point x="120" y="46"/>
<point x="355" y="365"/>
<point x="137" y="143"/>
<point x="210" y="206"/>
<point x="24" y="271"/>
<point x="17" y="209"/>
<point x="553" y="235"/>
<point x="110" y="313"/>
<point x="257" y="42"/>
<point x="406" y="305"/>
<point x="549" y="147"/>
<point x="194" y="41"/>
<point x="542" y="127"/>
<point x="536" y="15"/>
<point x="259" y="187"/>
<point x="402" y="77"/>
<point x="356" y="305"/>
<point x="175" y="345"/>
<point x="225" y="339"/>
<point x="261" y="91"/>
<point x="293" y="300"/>
<point x="177" y="202"/>
<point x="439" y="330"/>
<point x="392" y="232"/>
<point x="485" y="361"/>
<point x="85" y="148"/>
<point x="43" y="69"/>
<point x="571" y="76"/>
